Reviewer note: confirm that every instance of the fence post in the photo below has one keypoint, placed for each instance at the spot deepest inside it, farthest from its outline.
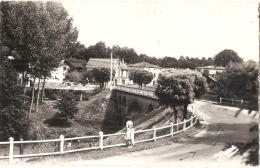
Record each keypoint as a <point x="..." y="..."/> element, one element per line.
<point x="177" y="126"/>
<point x="61" y="144"/>
<point x="232" y="102"/>
<point x="241" y="101"/>
<point x="80" y="99"/>
<point x="184" y="125"/>
<point x="133" y="136"/>
<point x="101" y="140"/>
<point x="11" y="150"/>
<point x="220" y="100"/>
<point x="21" y="147"/>
<point x="154" y="133"/>
<point x="171" y="128"/>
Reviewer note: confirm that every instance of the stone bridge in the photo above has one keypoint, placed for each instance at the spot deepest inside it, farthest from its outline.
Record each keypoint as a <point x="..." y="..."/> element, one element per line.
<point x="134" y="101"/>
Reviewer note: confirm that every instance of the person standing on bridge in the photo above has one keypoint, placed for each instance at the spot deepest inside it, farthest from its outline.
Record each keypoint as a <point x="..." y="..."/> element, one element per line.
<point x="129" y="133"/>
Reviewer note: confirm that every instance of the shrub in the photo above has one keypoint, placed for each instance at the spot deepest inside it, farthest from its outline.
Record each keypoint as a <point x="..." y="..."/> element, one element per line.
<point x="67" y="107"/>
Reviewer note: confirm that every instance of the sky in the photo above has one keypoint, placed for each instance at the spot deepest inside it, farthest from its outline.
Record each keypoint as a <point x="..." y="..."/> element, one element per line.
<point x="169" y="28"/>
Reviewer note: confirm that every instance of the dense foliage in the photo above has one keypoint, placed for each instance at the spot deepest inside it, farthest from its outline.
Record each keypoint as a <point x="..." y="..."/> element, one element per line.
<point x="101" y="75"/>
<point x="13" y="110"/>
<point x="142" y="77"/>
<point x="226" y="56"/>
<point x="178" y="87"/>
<point x="241" y="82"/>
<point x="67" y="107"/>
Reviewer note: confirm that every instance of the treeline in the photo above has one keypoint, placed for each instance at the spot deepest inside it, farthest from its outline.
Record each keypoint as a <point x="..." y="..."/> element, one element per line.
<point x="101" y="50"/>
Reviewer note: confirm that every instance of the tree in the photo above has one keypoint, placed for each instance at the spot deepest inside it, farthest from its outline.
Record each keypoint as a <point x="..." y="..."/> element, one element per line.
<point x="101" y="75"/>
<point x="13" y="118"/>
<point x="74" y="76"/>
<point x="178" y="87"/>
<point x="141" y="77"/>
<point x="67" y="107"/>
<point x="77" y="51"/>
<point x="241" y="81"/>
<point x="40" y="33"/>
<point x="226" y="56"/>
<point x="128" y="54"/>
<point x="99" y="50"/>
<point x="169" y="62"/>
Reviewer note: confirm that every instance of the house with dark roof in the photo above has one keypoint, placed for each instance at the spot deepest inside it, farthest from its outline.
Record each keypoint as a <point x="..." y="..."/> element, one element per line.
<point x="118" y="65"/>
<point x="155" y="69"/>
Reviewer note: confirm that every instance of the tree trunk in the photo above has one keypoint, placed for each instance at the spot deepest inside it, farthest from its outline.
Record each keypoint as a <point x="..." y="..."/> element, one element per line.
<point x="32" y="98"/>
<point x="38" y="96"/>
<point x="43" y="87"/>
<point x="22" y="80"/>
<point x="185" y="111"/>
<point x="175" y="114"/>
<point x="24" y="85"/>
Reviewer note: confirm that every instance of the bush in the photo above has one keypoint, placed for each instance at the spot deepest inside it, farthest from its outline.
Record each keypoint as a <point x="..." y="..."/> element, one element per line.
<point x="67" y="107"/>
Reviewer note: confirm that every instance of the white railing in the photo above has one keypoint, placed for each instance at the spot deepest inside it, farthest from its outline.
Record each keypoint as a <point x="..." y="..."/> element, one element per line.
<point x="233" y="102"/>
<point x="77" y="144"/>
<point x="144" y="92"/>
<point x="165" y="131"/>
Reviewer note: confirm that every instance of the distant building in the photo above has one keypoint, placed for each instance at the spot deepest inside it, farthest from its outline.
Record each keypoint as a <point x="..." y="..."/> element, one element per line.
<point x="148" y="67"/>
<point x="210" y="71"/>
<point x="58" y="75"/>
<point x="121" y="70"/>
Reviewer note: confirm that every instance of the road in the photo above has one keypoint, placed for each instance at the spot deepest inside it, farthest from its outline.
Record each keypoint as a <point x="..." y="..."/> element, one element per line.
<point x="195" y="151"/>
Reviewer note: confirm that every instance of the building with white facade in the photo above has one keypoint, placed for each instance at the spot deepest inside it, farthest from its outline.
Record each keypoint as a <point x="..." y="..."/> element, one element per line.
<point x="118" y="65"/>
<point x="58" y="75"/>
<point x="156" y="70"/>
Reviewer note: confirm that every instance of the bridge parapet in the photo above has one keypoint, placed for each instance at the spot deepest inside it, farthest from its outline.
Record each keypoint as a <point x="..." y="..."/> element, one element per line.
<point x="148" y="93"/>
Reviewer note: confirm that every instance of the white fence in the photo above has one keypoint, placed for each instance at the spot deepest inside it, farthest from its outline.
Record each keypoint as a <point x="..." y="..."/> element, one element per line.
<point x="76" y="144"/>
<point x="233" y="102"/>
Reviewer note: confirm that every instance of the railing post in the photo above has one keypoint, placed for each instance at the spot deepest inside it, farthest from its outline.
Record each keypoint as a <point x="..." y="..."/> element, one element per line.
<point x="101" y="140"/>
<point x="154" y="133"/>
<point x="11" y="150"/>
<point x="21" y="147"/>
<point x="61" y="144"/>
<point x="184" y="125"/>
<point x="241" y="101"/>
<point x="232" y="102"/>
<point x="220" y="100"/>
<point x="171" y="128"/>
<point x="133" y="136"/>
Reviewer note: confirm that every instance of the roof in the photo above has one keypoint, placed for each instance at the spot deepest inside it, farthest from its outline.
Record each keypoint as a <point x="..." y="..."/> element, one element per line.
<point x="212" y="67"/>
<point x="103" y="62"/>
<point x="143" y="65"/>
<point x="99" y="62"/>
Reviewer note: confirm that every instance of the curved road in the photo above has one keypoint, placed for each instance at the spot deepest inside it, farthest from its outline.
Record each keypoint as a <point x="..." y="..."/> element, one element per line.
<point x="222" y="127"/>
